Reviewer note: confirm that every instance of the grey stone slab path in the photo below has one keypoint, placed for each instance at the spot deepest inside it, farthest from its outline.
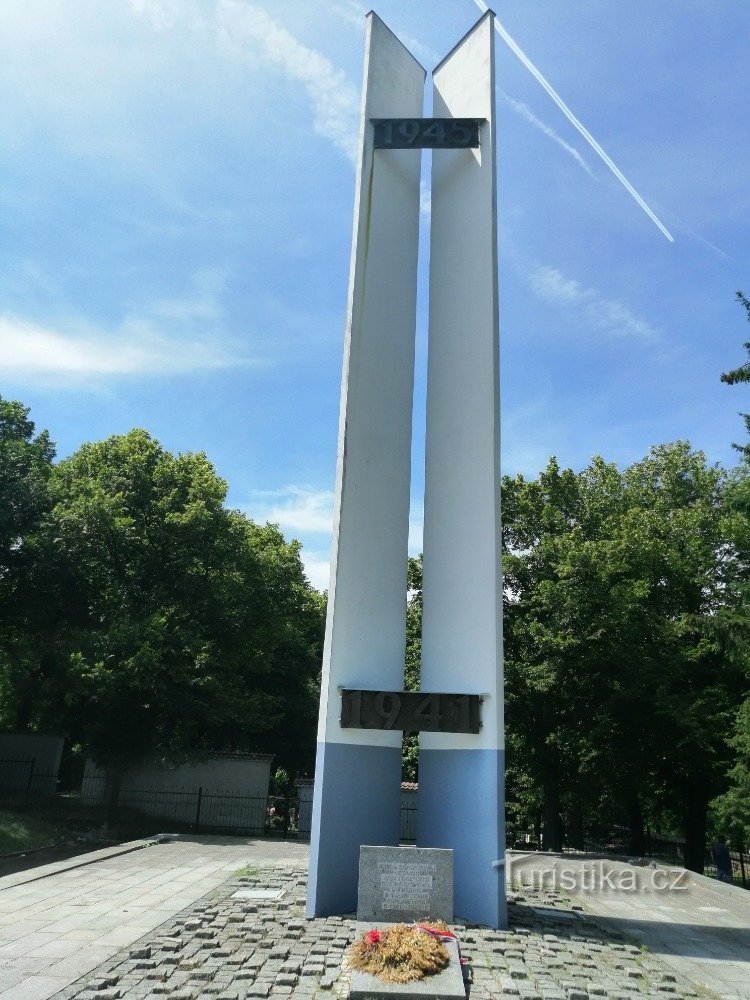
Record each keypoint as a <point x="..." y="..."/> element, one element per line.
<point x="59" y="922"/>
<point x="699" y="927"/>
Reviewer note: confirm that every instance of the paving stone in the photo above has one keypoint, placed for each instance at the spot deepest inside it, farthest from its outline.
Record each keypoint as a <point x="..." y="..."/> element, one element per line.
<point x="230" y="949"/>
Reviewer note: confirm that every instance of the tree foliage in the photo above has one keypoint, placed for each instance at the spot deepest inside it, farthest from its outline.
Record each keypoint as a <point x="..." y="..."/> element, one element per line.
<point x="741" y="374"/>
<point x="622" y="595"/>
<point x="25" y="468"/>
<point x="620" y="689"/>
<point x="172" y="627"/>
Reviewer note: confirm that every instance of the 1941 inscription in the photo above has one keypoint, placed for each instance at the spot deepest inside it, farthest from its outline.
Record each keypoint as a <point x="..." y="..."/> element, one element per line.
<point x="426" y="133"/>
<point x="411" y="711"/>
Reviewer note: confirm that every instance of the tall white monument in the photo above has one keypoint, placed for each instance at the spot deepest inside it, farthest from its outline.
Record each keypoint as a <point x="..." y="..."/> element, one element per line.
<point x="363" y="708"/>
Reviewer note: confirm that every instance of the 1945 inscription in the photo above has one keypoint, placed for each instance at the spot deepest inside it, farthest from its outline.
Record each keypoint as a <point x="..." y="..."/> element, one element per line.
<point x="426" y="133"/>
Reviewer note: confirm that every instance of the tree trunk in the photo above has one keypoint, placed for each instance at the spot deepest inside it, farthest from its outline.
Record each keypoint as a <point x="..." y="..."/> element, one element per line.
<point x="637" y="838"/>
<point x="552" y="825"/>
<point x="111" y="796"/>
<point x="696" y="815"/>
<point x="575" y="828"/>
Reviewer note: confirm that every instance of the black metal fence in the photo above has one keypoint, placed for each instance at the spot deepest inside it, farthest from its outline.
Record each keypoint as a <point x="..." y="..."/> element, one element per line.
<point x="616" y="840"/>
<point x="204" y="810"/>
<point x="408" y="824"/>
<point x="740" y="867"/>
<point x="145" y="810"/>
<point x="21" y="775"/>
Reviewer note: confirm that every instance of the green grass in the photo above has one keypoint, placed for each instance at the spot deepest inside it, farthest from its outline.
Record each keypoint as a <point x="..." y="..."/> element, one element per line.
<point x="21" y="832"/>
<point x="247" y="870"/>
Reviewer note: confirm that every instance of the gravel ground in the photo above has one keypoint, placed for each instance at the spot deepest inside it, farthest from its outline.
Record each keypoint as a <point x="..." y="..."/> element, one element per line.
<point x="250" y="938"/>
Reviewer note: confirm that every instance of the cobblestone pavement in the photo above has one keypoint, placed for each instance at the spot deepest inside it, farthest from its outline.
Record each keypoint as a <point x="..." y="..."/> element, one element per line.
<point x="250" y="939"/>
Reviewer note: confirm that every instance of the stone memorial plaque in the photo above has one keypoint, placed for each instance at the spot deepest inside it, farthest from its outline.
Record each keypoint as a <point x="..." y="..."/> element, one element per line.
<point x="403" y="884"/>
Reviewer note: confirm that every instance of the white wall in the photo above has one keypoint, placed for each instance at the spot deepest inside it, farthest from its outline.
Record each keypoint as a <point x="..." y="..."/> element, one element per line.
<point x="234" y="791"/>
<point x="18" y="751"/>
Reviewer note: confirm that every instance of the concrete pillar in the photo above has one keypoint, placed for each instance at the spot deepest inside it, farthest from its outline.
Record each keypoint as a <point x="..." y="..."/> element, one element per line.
<point x="461" y="777"/>
<point x="358" y="772"/>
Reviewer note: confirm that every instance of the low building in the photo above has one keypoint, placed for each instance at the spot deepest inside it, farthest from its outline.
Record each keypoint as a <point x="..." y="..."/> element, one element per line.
<point x="227" y="791"/>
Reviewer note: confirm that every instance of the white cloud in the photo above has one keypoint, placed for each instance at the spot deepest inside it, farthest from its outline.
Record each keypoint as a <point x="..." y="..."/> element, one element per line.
<point x="416" y="528"/>
<point x="425" y="197"/>
<point x="163" y="14"/>
<point x="353" y="13"/>
<point x="29" y="349"/>
<point x="299" y="510"/>
<point x="335" y="100"/>
<point x="550" y="284"/>
<point x="317" y="569"/>
<point x="526" y="113"/>
<point x="247" y="33"/>
<point x="350" y="13"/>
<point x="202" y="304"/>
<point x="605" y="315"/>
<point x="172" y="336"/>
<point x="295" y="508"/>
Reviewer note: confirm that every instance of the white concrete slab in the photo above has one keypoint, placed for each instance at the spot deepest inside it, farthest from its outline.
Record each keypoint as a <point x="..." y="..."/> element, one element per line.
<point x="61" y="922"/>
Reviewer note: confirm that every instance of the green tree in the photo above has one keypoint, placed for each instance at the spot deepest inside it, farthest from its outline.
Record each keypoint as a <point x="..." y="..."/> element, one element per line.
<point x="410" y="746"/>
<point x="741" y="374"/>
<point x="619" y="691"/>
<point x="688" y="538"/>
<point x="188" y="628"/>
<point x="25" y="466"/>
<point x="732" y="810"/>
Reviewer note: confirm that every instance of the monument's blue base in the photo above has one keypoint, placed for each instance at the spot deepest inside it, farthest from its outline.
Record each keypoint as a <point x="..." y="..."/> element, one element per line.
<point x="461" y="805"/>
<point x="356" y="800"/>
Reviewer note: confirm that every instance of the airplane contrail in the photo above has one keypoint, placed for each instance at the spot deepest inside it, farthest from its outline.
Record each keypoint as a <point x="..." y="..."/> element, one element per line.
<point x="525" y="112"/>
<point x="520" y="54"/>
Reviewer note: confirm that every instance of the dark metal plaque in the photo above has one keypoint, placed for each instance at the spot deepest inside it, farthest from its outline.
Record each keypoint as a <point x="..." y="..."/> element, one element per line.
<point x="426" y="133"/>
<point x="411" y="711"/>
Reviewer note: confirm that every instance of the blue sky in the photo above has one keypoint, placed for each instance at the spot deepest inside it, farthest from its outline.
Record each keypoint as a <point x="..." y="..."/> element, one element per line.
<point x="176" y="185"/>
